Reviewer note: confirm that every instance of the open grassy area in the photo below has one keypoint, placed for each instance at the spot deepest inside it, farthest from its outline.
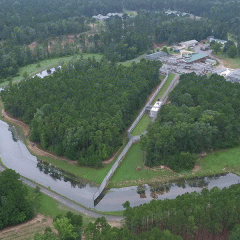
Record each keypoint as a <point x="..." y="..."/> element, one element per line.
<point x="146" y="120"/>
<point x="45" y="64"/>
<point x="127" y="173"/>
<point x="142" y="125"/>
<point x="88" y="173"/>
<point x="233" y="63"/>
<point x="164" y="88"/>
<point x="129" y="62"/>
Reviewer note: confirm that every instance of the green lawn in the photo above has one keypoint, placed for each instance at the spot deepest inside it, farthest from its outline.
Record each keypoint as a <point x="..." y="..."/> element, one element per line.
<point x="129" y="62"/>
<point x="164" y="88"/>
<point x="233" y="63"/>
<point x="127" y="175"/>
<point x="145" y="120"/>
<point x="45" y="64"/>
<point x="50" y="206"/>
<point x="142" y="125"/>
<point x="91" y="174"/>
<point x="216" y="163"/>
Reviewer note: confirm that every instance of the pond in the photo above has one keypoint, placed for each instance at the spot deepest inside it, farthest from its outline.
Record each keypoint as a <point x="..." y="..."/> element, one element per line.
<point x="16" y="156"/>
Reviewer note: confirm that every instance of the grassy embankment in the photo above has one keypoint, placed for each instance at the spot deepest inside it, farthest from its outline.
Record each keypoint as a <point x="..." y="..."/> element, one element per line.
<point x="127" y="174"/>
<point x="32" y="69"/>
<point x="88" y="173"/>
<point x="233" y="63"/>
<point x="146" y="120"/>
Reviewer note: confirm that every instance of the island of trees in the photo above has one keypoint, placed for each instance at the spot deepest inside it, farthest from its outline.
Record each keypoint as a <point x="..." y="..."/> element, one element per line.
<point x="81" y="111"/>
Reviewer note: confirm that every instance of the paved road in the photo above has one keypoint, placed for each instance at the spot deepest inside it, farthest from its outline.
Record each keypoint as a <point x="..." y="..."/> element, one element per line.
<point x="67" y="202"/>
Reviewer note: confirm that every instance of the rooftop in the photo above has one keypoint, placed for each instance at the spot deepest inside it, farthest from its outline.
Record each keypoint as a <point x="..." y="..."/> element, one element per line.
<point x="194" y="57"/>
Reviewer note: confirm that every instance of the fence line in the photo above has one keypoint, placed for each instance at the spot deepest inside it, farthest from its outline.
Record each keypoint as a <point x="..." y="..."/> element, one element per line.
<point x="147" y="104"/>
<point x="133" y="139"/>
<point x="113" y="168"/>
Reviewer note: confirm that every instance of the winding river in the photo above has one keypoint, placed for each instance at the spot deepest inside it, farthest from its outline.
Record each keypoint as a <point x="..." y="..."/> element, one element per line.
<point x="15" y="155"/>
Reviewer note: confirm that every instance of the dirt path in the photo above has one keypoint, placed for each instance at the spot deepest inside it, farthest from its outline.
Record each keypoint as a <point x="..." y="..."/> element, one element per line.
<point x="27" y="229"/>
<point x="221" y="64"/>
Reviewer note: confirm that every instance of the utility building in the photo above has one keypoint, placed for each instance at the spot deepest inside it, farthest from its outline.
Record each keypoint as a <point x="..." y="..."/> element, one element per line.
<point x="154" y="110"/>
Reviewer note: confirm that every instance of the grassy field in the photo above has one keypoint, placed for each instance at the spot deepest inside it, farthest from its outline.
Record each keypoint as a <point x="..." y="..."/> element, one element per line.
<point x="233" y="63"/>
<point x="129" y="62"/>
<point x="142" y="125"/>
<point x="127" y="173"/>
<point x="215" y="163"/>
<point x="45" y="64"/>
<point x="164" y="88"/>
<point x="91" y="174"/>
<point x="145" y="120"/>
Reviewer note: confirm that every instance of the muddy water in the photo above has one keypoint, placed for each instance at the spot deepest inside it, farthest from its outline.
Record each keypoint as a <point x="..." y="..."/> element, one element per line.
<point x="16" y="156"/>
<point x="145" y="193"/>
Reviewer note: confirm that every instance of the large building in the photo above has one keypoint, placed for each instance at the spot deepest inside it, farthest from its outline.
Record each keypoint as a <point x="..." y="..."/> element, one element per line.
<point x="195" y="57"/>
<point x="189" y="44"/>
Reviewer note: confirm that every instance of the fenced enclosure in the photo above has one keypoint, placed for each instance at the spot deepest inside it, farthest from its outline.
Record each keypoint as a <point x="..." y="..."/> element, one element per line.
<point x="134" y="139"/>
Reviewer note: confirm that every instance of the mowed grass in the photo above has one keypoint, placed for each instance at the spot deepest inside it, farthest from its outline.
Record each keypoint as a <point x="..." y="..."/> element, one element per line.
<point x="216" y="163"/>
<point x="32" y="69"/>
<point x="50" y="206"/>
<point x="164" y="88"/>
<point x="221" y="161"/>
<point x="127" y="173"/>
<point x="129" y="62"/>
<point x="88" y="173"/>
<point x="142" y="125"/>
<point x="146" y="120"/>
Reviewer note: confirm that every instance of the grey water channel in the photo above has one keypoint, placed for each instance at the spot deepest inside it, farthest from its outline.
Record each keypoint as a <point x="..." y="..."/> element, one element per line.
<point x="16" y="156"/>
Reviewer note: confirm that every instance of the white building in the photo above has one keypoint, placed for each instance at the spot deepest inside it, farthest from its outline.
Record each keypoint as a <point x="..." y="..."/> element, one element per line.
<point x="154" y="110"/>
<point x="189" y="44"/>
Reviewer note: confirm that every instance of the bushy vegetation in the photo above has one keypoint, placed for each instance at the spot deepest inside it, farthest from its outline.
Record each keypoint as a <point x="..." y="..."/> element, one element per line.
<point x="81" y="111"/>
<point x="69" y="227"/>
<point x="17" y="204"/>
<point x="203" y="115"/>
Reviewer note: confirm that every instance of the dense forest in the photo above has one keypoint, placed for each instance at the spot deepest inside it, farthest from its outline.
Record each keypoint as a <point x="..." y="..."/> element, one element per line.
<point x="81" y="111"/>
<point x="203" y="114"/>
<point x="17" y="203"/>
<point x="194" y="215"/>
<point x="48" y="23"/>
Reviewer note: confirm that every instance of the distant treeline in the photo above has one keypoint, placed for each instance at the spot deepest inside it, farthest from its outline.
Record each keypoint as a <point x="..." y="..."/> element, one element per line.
<point x="81" y="111"/>
<point x="203" y="114"/>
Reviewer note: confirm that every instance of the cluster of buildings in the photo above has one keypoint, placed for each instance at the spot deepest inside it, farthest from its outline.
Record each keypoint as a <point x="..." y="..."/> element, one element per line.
<point x="186" y="63"/>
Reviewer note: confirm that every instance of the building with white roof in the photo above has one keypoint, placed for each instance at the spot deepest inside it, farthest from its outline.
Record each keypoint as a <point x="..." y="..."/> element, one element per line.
<point x="190" y="43"/>
<point x="154" y="110"/>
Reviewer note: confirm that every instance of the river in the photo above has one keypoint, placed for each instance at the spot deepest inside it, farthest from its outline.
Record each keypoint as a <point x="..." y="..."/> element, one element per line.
<point x="15" y="155"/>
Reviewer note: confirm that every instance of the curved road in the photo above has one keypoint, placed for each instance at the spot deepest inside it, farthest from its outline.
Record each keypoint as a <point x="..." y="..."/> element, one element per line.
<point x="67" y="202"/>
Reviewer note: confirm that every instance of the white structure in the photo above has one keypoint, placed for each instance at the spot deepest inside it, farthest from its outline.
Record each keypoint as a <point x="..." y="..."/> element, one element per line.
<point x="48" y="72"/>
<point x="154" y="110"/>
<point x="211" y="38"/>
<point x="100" y="17"/>
<point x="189" y="44"/>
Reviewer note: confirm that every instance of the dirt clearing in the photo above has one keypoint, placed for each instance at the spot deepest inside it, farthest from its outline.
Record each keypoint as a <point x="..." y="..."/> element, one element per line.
<point x="27" y="230"/>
